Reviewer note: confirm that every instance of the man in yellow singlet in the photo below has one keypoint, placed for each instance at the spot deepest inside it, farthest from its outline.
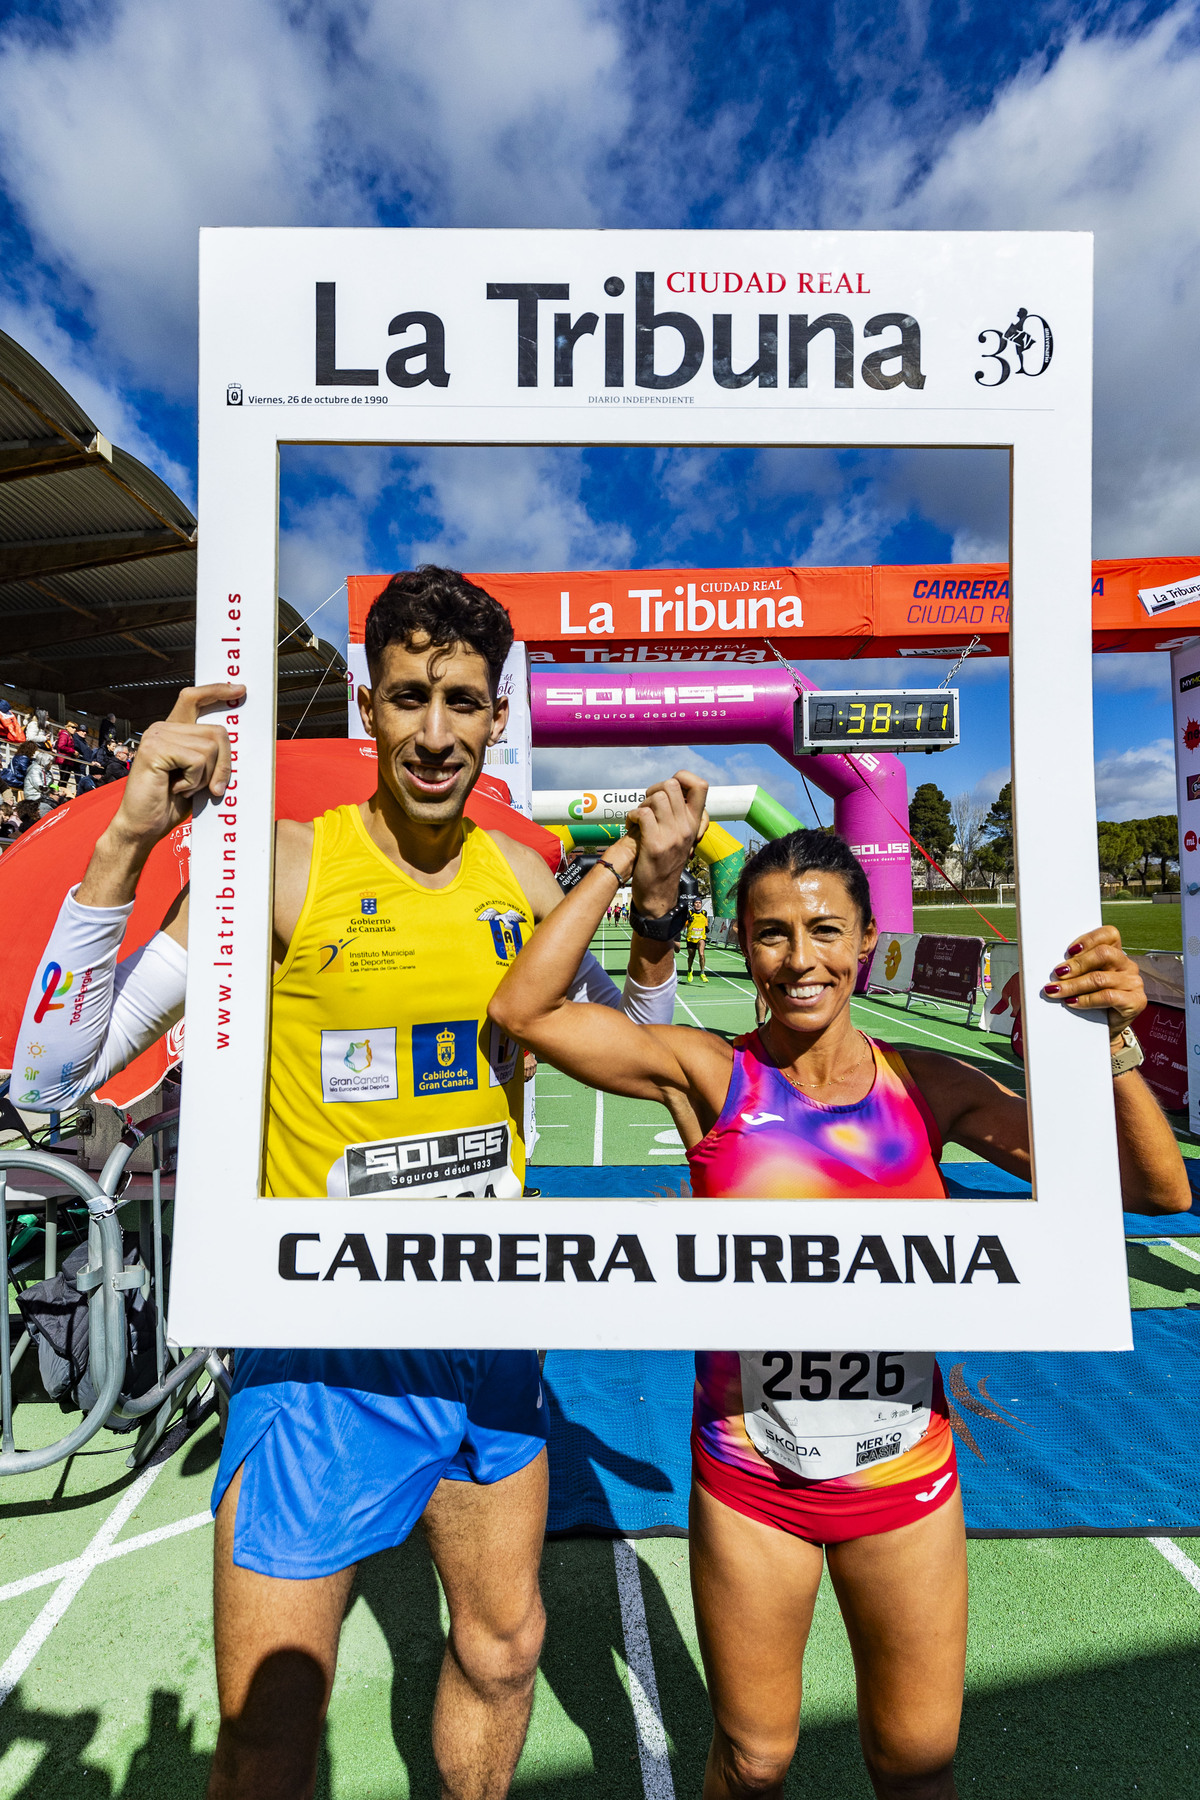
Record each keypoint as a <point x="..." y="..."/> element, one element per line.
<point x="394" y="921"/>
<point x="697" y="936"/>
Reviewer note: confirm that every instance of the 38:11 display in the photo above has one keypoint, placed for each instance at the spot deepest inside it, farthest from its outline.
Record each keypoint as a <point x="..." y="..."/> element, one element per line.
<point x="912" y="720"/>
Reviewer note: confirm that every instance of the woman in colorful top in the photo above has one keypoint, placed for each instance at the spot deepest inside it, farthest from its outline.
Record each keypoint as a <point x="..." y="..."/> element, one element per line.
<point x="807" y="1106"/>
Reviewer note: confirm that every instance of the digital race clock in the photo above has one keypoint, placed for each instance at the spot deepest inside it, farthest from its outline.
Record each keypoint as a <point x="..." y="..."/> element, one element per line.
<point x="915" y="719"/>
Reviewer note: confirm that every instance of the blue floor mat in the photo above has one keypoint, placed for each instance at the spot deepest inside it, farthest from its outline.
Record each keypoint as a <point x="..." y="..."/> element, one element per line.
<point x="1075" y="1444"/>
<point x="1050" y="1443"/>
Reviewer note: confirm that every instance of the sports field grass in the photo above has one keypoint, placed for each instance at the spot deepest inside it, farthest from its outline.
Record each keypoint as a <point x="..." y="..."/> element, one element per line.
<point x="1142" y="925"/>
<point x="1083" y="1675"/>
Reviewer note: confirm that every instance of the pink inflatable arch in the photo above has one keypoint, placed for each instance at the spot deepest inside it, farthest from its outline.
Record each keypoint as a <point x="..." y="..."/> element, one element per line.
<point x="612" y="704"/>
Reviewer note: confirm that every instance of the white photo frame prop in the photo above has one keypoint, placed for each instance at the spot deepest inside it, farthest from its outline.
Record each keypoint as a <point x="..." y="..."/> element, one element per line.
<point x="430" y="337"/>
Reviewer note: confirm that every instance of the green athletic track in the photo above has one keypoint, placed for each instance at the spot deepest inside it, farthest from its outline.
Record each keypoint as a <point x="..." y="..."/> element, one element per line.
<point x="1084" y="1665"/>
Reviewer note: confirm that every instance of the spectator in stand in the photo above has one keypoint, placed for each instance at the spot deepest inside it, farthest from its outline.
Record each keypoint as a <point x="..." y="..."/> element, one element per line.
<point x="10" y="823"/>
<point x="17" y="769"/>
<point x="83" y="749"/>
<point x="37" y="729"/>
<point x="12" y="732"/>
<point x="116" y="763"/>
<point x="89" y="775"/>
<point x="108" y="730"/>
<point x="64" y="744"/>
<point x="37" y="782"/>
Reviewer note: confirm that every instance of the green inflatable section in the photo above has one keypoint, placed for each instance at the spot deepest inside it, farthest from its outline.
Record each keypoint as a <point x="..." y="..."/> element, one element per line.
<point x="726" y="858"/>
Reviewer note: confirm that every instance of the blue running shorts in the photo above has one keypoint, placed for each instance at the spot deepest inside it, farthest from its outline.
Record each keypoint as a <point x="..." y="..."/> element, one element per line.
<point x="340" y="1450"/>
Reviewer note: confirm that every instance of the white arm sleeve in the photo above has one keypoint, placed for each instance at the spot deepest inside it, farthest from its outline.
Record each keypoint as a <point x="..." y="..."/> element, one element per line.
<point x="96" y="1014"/>
<point x="644" y="1005"/>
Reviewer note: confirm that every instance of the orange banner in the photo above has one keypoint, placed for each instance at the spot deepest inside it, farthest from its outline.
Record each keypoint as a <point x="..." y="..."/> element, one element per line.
<point x="734" y="615"/>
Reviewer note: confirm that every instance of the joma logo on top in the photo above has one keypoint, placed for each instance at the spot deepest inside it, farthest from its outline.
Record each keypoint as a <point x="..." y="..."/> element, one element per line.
<point x="782" y="343"/>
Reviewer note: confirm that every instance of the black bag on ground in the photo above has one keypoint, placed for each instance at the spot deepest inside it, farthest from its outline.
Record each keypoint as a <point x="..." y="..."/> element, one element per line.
<point x="56" y="1315"/>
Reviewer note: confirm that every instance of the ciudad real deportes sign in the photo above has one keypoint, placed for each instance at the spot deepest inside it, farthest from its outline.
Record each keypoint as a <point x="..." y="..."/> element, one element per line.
<point x="689" y="338"/>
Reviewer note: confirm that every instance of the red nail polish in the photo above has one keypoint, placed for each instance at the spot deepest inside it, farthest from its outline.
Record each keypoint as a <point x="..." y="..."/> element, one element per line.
<point x="1051" y="987"/>
<point x="1074" y="949"/>
<point x="1063" y="969"/>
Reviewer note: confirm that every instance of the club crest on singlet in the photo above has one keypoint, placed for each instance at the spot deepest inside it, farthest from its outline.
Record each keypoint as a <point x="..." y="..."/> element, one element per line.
<point x="433" y="1099"/>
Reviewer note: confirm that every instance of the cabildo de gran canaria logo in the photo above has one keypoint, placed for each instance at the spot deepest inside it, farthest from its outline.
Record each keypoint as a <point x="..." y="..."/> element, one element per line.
<point x="445" y="1047"/>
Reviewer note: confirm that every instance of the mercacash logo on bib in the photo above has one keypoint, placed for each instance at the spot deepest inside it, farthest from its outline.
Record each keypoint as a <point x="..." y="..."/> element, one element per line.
<point x="52" y="987"/>
<point x="445" y="1056"/>
<point x="359" y="1065"/>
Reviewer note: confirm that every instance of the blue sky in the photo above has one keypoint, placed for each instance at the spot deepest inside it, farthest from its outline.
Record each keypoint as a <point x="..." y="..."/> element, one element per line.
<point x="125" y="125"/>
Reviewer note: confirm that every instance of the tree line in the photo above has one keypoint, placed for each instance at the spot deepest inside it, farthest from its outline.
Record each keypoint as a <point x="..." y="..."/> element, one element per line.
<point x="979" y="841"/>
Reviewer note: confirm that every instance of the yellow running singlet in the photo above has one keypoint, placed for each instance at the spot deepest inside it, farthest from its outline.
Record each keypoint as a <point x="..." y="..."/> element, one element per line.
<point x="697" y="928"/>
<point x="385" y="1074"/>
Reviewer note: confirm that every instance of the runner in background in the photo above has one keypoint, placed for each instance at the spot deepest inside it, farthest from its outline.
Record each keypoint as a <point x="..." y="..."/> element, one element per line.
<point x="697" y="937"/>
<point x="807" y="1456"/>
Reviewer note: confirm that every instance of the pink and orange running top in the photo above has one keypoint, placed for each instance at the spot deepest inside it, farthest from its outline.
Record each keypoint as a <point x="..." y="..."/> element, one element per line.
<point x="854" y="1421"/>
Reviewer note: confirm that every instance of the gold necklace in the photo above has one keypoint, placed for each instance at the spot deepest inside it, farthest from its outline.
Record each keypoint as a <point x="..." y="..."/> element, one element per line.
<point x="834" y="1080"/>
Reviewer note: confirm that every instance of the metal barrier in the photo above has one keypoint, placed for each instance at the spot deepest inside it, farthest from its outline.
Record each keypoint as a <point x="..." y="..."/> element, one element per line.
<point x="105" y="1281"/>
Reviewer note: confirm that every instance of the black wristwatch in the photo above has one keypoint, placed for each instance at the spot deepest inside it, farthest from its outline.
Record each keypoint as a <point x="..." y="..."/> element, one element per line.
<point x="661" y="930"/>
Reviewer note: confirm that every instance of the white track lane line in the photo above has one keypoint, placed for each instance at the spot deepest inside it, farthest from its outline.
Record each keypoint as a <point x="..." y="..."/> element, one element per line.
<point x="45" y="1577"/>
<point x="657" y="1782"/>
<point x="1182" y="1248"/>
<point x="598" y="1134"/>
<point x="909" y="1021"/>
<point x="1177" y="1560"/>
<point x="71" y="1583"/>
<point x="680" y="1001"/>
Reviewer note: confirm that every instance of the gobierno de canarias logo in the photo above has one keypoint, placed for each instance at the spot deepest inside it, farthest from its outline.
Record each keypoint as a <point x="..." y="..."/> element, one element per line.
<point x="581" y="808"/>
<point x="54" y="984"/>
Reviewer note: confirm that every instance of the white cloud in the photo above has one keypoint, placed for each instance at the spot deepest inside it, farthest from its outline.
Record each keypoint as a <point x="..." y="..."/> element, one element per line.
<point x="126" y="130"/>
<point x="988" y="786"/>
<point x="1136" y="784"/>
<point x="509" y="510"/>
<point x="1102" y="136"/>
<point x="1144" y="672"/>
<point x="101" y="395"/>
<point x="628" y="766"/>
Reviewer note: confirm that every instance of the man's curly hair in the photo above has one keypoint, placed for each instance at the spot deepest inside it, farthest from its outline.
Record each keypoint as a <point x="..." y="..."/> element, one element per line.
<point x="442" y="606"/>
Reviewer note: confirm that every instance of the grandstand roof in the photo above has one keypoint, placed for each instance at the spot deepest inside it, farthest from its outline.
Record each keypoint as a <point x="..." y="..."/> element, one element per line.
<point x="98" y="570"/>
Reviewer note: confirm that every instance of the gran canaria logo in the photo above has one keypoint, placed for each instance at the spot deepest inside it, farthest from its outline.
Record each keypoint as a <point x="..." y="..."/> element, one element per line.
<point x="358" y="1057"/>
